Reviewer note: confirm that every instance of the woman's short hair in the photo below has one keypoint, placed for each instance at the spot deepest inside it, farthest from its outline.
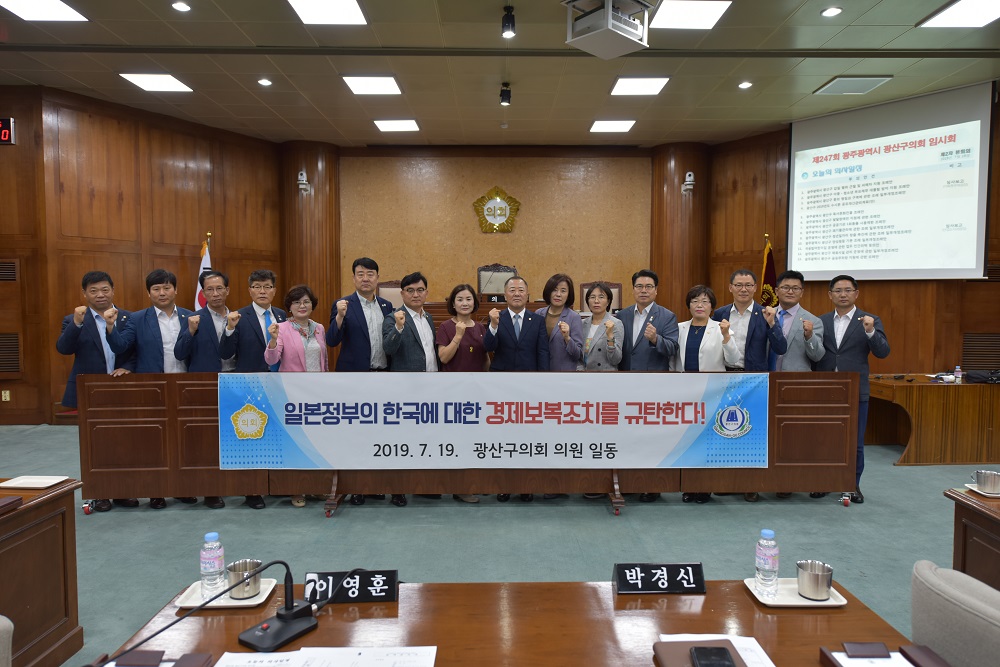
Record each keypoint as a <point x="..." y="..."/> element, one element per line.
<point x="700" y="290"/>
<point x="553" y="283"/>
<point x="296" y="294"/>
<point x="601" y="287"/>
<point x="464" y="287"/>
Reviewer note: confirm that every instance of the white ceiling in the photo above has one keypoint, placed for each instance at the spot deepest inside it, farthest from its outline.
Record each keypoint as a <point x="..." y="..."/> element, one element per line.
<point x="449" y="60"/>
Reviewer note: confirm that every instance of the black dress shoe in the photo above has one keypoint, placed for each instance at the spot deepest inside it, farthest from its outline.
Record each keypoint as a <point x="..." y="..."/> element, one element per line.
<point x="784" y="495"/>
<point x="157" y="503"/>
<point x="399" y="500"/>
<point x="527" y="497"/>
<point x="187" y="500"/>
<point x="687" y="497"/>
<point x="751" y="496"/>
<point x="818" y="494"/>
<point x="214" y="502"/>
<point x="126" y="502"/>
<point x="102" y="505"/>
<point x="503" y="497"/>
<point x="648" y="497"/>
<point x="702" y="498"/>
<point x="255" y="502"/>
<point x="357" y="499"/>
<point x="857" y="496"/>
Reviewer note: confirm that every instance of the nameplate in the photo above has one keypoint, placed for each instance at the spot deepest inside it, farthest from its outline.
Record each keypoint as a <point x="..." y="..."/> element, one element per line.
<point x="364" y="586"/>
<point x="658" y="578"/>
<point x="495" y="298"/>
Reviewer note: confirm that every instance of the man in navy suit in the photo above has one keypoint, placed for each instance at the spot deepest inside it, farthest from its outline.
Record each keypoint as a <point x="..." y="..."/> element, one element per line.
<point x="852" y="335"/>
<point x="518" y="340"/>
<point x="152" y="334"/>
<point x="246" y="335"/>
<point x="198" y="343"/>
<point x="650" y="334"/>
<point x="356" y="322"/>
<point x="84" y="335"/>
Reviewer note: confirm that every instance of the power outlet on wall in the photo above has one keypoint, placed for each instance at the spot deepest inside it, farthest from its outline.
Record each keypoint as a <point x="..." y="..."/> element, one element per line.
<point x="5" y="395"/>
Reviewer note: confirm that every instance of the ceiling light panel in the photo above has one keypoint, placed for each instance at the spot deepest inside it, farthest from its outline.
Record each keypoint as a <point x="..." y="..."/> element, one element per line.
<point x="157" y="83"/>
<point x="830" y="12"/>
<point x="372" y="85"/>
<point x="689" y="14"/>
<point x="329" y="12"/>
<point x="639" y="86"/>
<point x="612" y="125"/>
<point x="851" y="85"/>
<point x="965" y="14"/>
<point x="42" y="10"/>
<point x="397" y="125"/>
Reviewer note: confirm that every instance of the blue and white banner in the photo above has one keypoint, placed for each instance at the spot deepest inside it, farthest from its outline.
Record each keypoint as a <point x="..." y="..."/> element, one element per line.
<point x="393" y="421"/>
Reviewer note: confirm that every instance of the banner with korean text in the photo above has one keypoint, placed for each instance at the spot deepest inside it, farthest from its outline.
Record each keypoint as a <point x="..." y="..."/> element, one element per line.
<point x="392" y="421"/>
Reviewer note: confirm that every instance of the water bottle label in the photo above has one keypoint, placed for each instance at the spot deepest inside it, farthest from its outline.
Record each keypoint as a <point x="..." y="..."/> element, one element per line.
<point x="767" y="558"/>
<point x="213" y="563"/>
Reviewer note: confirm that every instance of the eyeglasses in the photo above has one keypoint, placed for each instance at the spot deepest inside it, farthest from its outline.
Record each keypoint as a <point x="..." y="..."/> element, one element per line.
<point x="302" y="302"/>
<point x="214" y="290"/>
<point x="743" y="286"/>
<point x="643" y="288"/>
<point x="790" y="288"/>
<point x="262" y="288"/>
<point x="842" y="291"/>
<point x="415" y="290"/>
<point x="700" y="302"/>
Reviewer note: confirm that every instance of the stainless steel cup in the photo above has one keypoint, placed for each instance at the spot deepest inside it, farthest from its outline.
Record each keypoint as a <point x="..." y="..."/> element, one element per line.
<point x="815" y="579"/>
<point x="988" y="481"/>
<point x="239" y="571"/>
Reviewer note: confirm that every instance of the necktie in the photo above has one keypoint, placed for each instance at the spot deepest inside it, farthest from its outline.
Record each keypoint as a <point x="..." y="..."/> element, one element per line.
<point x="267" y="337"/>
<point x="517" y="326"/>
<point x="772" y="358"/>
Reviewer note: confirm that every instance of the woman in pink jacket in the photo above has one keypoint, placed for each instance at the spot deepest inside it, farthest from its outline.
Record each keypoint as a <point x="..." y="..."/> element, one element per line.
<point x="298" y="344"/>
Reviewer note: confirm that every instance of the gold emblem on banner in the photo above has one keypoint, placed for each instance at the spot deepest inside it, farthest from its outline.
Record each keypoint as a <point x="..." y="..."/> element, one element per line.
<point x="249" y="423"/>
<point x="496" y="211"/>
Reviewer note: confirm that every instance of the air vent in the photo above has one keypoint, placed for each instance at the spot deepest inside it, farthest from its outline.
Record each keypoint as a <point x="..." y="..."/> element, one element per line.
<point x="980" y="351"/>
<point x="993" y="271"/>
<point x="10" y="353"/>
<point x="8" y="270"/>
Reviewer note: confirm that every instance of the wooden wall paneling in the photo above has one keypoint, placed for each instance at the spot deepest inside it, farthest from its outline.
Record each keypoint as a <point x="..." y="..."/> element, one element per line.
<point x="249" y="219"/>
<point x="20" y="170"/>
<point x="977" y="297"/>
<point x="178" y="198"/>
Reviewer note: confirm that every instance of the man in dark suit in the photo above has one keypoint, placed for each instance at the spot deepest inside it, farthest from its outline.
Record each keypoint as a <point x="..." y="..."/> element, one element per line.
<point x="356" y="322"/>
<point x="198" y="343"/>
<point x="84" y="335"/>
<point x="518" y="340"/>
<point x="152" y="334"/>
<point x="851" y="335"/>
<point x="246" y="335"/>
<point x="650" y="334"/>
<point x="650" y="329"/>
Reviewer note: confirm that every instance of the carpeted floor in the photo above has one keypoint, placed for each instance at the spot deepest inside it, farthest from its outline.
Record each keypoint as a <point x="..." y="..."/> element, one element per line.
<point x="132" y="561"/>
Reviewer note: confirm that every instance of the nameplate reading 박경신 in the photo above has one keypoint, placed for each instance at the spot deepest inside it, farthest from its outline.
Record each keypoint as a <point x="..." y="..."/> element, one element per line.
<point x="631" y="578"/>
<point x="364" y="586"/>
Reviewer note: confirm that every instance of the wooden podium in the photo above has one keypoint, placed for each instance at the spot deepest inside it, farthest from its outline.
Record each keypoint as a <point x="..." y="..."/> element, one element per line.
<point x="156" y="435"/>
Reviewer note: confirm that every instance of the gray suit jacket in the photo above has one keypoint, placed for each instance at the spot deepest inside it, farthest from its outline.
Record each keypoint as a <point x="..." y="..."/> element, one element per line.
<point x="600" y="357"/>
<point x="404" y="349"/>
<point x="801" y="353"/>
<point x="646" y="356"/>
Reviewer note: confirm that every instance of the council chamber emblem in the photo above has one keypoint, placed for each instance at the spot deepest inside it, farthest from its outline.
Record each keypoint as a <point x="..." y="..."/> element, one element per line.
<point x="732" y="422"/>
<point x="496" y="211"/>
<point x="249" y="423"/>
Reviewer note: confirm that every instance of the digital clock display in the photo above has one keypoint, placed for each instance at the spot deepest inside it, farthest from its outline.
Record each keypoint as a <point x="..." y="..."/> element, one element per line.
<point x="6" y="130"/>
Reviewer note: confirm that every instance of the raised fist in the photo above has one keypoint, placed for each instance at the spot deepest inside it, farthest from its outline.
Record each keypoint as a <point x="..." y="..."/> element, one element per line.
<point x="233" y="319"/>
<point x="724" y="326"/>
<point x="609" y="327"/>
<point x="460" y="328"/>
<point x="769" y="313"/>
<point x="564" y="330"/>
<point x="869" y="323"/>
<point x="79" y="314"/>
<point x="400" y="319"/>
<point x="273" y="330"/>
<point x="494" y="318"/>
<point x="111" y="315"/>
<point x="807" y="329"/>
<point x="650" y="333"/>
<point x="193" y="321"/>
<point x="342" y="308"/>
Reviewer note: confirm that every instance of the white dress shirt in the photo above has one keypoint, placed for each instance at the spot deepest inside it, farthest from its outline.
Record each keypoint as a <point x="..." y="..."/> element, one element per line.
<point x="739" y="325"/>
<point x="170" y="328"/>
<point x="374" y="317"/>
<point x="221" y="321"/>
<point x="426" y="339"/>
<point x="102" y="328"/>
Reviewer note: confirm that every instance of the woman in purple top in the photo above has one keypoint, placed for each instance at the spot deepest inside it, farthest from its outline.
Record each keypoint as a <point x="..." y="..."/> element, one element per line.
<point x="459" y="339"/>
<point x="563" y="324"/>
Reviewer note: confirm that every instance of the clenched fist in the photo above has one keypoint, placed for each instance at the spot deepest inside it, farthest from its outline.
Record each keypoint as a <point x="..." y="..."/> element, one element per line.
<point x="273" y="330"/>
<point x="111" y="316"/>
<point x="564" y="330"/>
<point x="609" y="329"/>
<point x="869" y="322"/>
<point x="650" y="333"/>
<point x="494" y="318"/>
<point x="807" y="329"/>
<point x="460" y="328"/>
<point x="342" y="308"/>
<point x="193" y="322"/>
<point x="724" y="327"/>
<point x="79" y="314"/>
<point x="233" y="319"/>
<point x="769" y="313"/>
<point x="400" y="319"/>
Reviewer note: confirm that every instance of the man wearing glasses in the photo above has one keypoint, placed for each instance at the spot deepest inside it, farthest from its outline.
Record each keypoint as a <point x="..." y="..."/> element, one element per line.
<point x="802" y="330"/>
<point x="650" y="329"/>
<point x="408" y="335"/>
<point x="753" y="326"/>
<point x="199" y="345"/>
<point x="852" y="335"/>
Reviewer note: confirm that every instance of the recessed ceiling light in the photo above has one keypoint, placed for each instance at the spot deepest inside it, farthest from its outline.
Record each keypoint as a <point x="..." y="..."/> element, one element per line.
<point x="689" y="14"/>
<point x="746" y="84"/>
<point x="157" y="82"/>
<point x="372" y="85"/>
<point x="612" y="125"/>
<point x="639" y="86"/>
<point x="181" y="6"/>
<point x="851" y="85"/>
<point x="328" y="12"/>
<point x="397" y="125"/>
<point x="264" y="82"/>
<point x="964" y="14"/>
<point x="42" y="10"/>
<point x="830" y="12"/>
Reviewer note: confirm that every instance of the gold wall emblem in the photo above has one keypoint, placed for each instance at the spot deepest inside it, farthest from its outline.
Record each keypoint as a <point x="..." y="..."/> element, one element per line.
<point x="496" y="211"/>
<point x="249" y="423"/>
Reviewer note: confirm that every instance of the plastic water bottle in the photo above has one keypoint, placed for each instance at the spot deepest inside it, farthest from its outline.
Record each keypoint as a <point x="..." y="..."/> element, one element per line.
<point x="213" y="566"/>
<point x="766" y="583"/>
<point x="958" y="375"/>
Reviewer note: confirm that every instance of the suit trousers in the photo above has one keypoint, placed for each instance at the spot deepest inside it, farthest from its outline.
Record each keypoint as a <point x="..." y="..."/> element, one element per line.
<point x="862" y="423"/>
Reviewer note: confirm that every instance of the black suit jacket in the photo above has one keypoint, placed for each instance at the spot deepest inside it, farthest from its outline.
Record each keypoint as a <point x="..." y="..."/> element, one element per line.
<point x="247" y="341"/>
<point x="852" y="353"/>
<point x="759" y="337"/>
<point x="201" y="351"/>
<point x="529" y="352"/>
<point x="352" y="336"/>
<point x="85" y="343"/>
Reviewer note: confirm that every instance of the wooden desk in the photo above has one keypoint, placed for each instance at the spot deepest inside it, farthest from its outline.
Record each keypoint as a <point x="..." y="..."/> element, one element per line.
<point x="541" y="624"/>
<point x="38" y="562"/>
<point x="977" y="535"/>
<point x="937" y="422"/>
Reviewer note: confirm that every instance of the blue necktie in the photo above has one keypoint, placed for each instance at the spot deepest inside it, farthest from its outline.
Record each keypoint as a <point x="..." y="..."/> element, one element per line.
<point x="517" y="326"/>
<point x="772" y="357"/>
<point x="267" y="341"/>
